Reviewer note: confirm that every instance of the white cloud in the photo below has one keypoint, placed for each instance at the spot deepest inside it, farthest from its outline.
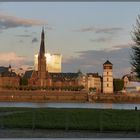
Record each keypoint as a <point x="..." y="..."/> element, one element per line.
<point x="11" y="58"/>
<point x="10" y="21"/>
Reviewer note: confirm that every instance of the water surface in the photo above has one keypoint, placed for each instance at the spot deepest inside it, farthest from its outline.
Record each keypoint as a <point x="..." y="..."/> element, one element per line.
<point x="70" y="105"/>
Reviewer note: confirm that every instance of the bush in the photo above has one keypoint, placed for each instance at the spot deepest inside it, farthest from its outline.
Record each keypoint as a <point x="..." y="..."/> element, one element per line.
<point x="118" y="84"/>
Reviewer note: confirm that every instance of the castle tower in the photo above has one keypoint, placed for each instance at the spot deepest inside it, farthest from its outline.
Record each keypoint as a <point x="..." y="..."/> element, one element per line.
<point x="42" y="61"/>
<point x="107" y="77"/>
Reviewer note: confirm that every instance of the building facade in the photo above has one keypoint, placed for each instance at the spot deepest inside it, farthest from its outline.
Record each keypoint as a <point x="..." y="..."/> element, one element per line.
<point x="53" y="62"/>
<point x="8" y="77"/>
<point x="94" y="81"/>
<point x="125" y="81"/>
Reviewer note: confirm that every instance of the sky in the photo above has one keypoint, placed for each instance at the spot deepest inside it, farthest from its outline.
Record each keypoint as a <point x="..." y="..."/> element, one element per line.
<point x="85" y="33"/>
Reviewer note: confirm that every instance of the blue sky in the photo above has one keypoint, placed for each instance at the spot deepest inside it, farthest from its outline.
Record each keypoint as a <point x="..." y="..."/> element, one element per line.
<point x="85" y="33"/>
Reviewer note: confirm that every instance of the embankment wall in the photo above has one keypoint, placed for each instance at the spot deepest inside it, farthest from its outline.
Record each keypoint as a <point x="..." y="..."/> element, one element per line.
<point x="43" y="96"/>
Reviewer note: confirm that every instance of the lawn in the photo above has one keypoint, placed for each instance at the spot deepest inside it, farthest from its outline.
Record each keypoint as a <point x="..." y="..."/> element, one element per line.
<point x="75" y="119"/>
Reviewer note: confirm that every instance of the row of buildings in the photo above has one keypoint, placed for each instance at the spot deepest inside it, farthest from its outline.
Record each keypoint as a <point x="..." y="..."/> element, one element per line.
<point x="49" y="74"/>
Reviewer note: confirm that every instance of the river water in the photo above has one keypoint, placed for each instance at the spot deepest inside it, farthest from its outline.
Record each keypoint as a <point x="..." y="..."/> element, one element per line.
<point x="70" y="105"/>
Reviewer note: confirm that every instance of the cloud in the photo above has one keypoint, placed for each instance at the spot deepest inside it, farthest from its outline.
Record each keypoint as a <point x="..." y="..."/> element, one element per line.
<point x="23" y="35"/>
<point x="101" y="39"/>
<point x="9" y="21"/>
<point x="86" y="29"/>
<point x="34" y="40"/>
<point x="26" y="31"/>
<point x="49" y="28"/>
<point x="92" y="61"/>
<point x="111" y="30"/>
<point x="121" y="46"/>
<point x="21" y="41"/>
<point x="12" y="58"/>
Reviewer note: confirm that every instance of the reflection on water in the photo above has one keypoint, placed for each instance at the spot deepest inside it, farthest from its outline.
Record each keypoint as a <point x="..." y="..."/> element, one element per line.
<point x="108" y="105"/>
<point x="69" y="105"/>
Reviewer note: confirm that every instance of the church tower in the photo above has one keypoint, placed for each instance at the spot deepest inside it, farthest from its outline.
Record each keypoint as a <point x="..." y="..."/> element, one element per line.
<point x="42" y="61"/>
<point x="107" y="77"/>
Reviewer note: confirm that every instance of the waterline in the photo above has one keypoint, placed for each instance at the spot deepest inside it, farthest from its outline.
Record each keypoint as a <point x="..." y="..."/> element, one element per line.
<point x="71" y="105"/>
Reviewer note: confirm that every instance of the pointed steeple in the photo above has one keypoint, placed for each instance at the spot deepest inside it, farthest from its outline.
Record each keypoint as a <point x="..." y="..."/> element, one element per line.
<point x="9" y="68"/>
<point x="42" y="61"/>
<point x="42" y="44"/>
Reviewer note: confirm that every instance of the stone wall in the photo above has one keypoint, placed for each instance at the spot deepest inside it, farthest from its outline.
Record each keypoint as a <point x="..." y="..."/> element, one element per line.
<point x="112" y="98"/>
<point x="43" y="96"/>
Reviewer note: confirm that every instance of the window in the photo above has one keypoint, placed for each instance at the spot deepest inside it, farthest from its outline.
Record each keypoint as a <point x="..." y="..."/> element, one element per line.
<point x="107" y="85"/>
<point x="107" y="73"/>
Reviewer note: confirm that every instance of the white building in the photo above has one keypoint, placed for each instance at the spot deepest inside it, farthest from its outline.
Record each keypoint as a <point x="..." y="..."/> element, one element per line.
<point x="94" y="81"/>
<point x="132" y="87"/>
<point x="53" y="62"/>
<point x="107" y="77"/>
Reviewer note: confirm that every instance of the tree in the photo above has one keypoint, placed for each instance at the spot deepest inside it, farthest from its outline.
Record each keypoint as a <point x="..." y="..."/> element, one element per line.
<point x="23" y="81"/>
<point x="135" y="56"/>
<point x="118" y="84"/>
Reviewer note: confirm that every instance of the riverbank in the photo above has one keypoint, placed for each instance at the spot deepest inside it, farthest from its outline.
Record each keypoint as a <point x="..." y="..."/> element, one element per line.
<point x="66" y="96"/>
<point x="114" y="98"/>
<point x="43" y="96"/>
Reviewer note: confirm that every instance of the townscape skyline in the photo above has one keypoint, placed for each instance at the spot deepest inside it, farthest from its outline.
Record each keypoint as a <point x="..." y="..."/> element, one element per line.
<point x="86" y="34"/>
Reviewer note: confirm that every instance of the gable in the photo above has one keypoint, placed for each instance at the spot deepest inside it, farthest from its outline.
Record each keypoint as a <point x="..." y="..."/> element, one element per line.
<point x="28" y="74"/>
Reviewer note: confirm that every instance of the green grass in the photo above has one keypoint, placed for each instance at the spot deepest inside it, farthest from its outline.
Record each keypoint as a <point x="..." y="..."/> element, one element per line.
<point x="76" y="119"/>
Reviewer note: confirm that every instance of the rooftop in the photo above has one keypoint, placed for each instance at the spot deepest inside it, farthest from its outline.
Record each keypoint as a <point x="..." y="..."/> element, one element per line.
<point x="107" y="62"/>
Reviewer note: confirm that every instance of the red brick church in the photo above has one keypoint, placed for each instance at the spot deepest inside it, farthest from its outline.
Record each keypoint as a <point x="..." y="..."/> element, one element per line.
<point x="43" y="78"/>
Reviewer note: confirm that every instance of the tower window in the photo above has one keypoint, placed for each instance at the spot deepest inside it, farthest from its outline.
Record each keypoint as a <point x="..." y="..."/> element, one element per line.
<point x="107" y="85"/>
<point x="107" y="73"/>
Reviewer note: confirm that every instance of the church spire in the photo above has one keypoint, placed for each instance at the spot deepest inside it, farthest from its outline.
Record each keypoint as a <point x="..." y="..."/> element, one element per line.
<point x="42" y="60"/>
<point x="42" y="44"/>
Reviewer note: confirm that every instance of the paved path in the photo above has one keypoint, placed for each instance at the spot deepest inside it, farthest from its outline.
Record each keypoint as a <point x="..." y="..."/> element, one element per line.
<point x="37" y="133"/>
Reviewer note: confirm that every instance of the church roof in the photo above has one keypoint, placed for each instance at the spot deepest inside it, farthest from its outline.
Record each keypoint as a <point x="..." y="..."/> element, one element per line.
<point x="8" y="74"/>
<point x="107" y="62"/>
<point x="28" y="74"/>
<point x="4" y="71"/>
<point x="64" y="76"/>
<point x="56" y="76"/>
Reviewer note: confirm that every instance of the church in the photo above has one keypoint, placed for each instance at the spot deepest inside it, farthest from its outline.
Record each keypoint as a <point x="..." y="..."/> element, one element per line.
<point x="43" y="78"/>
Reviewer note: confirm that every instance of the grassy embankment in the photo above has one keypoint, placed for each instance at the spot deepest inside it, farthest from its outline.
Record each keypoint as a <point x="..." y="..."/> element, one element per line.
<point x="75" y="119"/>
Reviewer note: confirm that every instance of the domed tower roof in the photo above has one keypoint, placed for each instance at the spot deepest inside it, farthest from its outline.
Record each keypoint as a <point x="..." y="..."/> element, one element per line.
<point x="107" y="63"/>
